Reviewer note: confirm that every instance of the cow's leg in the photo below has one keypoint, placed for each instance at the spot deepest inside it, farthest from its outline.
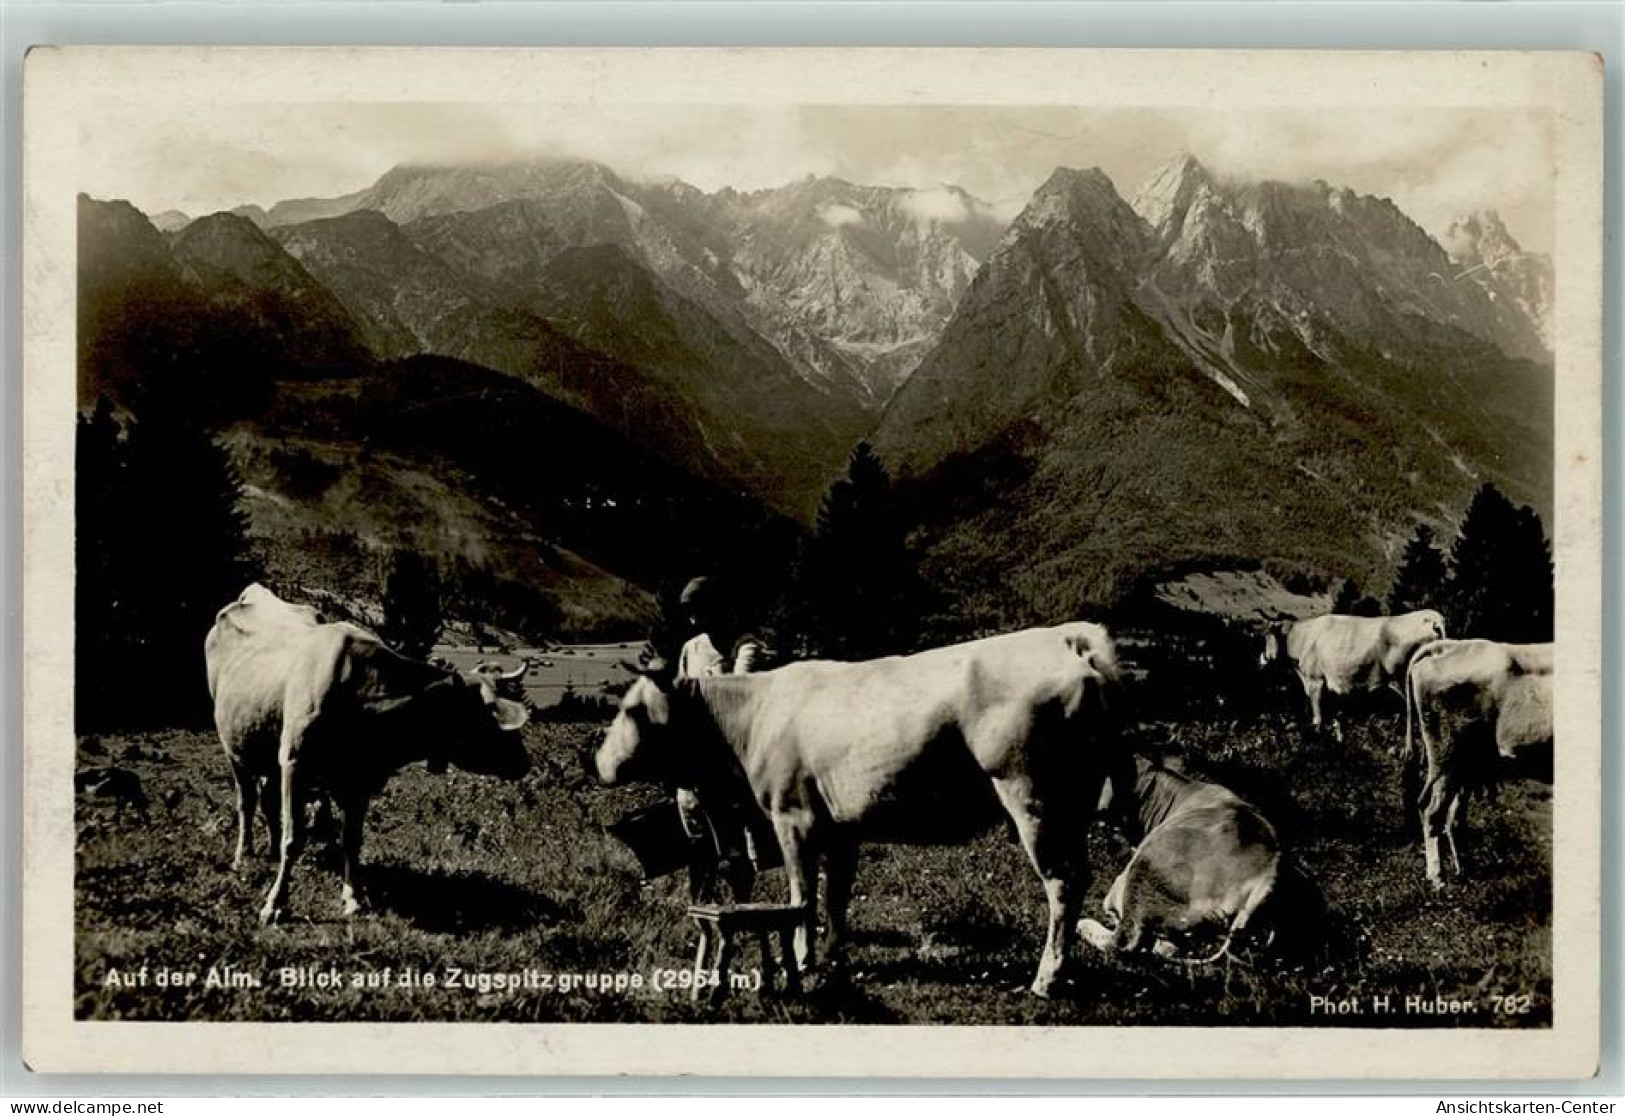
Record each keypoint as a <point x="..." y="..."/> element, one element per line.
<point x="1455" y="812"/>
<point x="1057" y="856"/>
<point x="1097" y="935"/>
<point x="1436" y="795"/>
<point x="248" y="793"/>
<point x="271" y="809"/>
<point x="354" y="810"/>
<point x="801" y="873"/>
<point x="1313" y="690"/>
<point x="840" y="871"/>
<point x="293" y="822"/>
<point x="1107" y="936"/>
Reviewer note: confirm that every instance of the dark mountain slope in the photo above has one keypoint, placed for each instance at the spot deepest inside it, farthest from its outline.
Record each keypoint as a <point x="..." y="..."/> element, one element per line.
<point x="347" y="458"/>
<point x="243" y="272"/>
<point x="214" y="320"/>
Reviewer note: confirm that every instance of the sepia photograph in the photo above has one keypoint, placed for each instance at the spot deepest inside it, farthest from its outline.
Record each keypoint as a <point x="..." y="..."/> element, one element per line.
<point x="655" y="538"/>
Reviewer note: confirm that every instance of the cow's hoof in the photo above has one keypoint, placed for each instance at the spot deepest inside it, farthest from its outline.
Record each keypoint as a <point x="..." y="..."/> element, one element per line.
<point x="1043" y="987"/>
<point x="1165" y="950"/>
<point x="353" y="906"/>
<point x="269" y="915"/>
<point x="1095" y="934"/>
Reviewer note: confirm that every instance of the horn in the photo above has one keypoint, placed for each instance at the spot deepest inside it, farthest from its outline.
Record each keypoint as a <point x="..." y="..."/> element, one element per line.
<point x="656" y="667"/>
<point x="516" y="674"/>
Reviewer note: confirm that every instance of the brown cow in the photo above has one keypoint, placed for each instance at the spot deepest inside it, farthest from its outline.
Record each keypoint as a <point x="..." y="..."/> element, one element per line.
<point x="1204" y="856"/>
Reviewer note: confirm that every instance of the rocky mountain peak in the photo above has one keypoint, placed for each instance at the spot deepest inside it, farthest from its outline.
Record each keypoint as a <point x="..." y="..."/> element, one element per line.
<point x="1166" y="195"/>
<point x="1080" y="213"/>
<point x="1480" y="238"/>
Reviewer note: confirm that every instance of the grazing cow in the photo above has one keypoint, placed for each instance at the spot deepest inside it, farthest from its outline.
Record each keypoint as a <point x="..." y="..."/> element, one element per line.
<point x="823" y="747"/>
<point x="301" y="705"/>
<point x="1483" y="711"/>
<point x="1350" y="654"/>
<point x="1204" y="857"/>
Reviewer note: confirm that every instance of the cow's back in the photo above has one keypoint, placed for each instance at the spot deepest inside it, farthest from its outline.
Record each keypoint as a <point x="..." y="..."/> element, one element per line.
<point x="1203" y="859"/>
<point x="1500" y="692"/>
<point x="268" y="659"/>
<point x="859" y="728"/>
<point x="1360" y="651"/>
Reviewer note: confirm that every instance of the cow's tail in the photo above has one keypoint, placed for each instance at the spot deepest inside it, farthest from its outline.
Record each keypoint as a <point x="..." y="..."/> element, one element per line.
<point x="1413" y="712"/>
<point x="1262" y="892"/>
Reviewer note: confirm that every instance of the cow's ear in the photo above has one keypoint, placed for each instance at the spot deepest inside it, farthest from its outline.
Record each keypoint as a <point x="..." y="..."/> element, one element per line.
<point x="660" y="672"/>
<point x="510" y="715"/>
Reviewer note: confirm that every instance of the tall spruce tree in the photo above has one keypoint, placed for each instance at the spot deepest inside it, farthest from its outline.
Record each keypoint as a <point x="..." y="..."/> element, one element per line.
<point x="412" y="603"/>
<point x="163" y="545"/>
<point x="1422" y="577"/>
<point x="1349" y="601"/>
<point x="857" y="586"/>
<point x="101" y="539"/>
<point x="1501" y="582"/>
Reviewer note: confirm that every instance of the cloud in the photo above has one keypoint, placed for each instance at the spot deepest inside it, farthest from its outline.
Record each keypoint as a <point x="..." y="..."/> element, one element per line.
<point x="1435" y="163"/>
<point x="935" y="205"/>
<point x="839" y="216"/>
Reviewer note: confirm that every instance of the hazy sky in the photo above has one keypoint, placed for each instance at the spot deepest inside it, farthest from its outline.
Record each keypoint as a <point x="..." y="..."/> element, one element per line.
<point x="1435" y="163"/>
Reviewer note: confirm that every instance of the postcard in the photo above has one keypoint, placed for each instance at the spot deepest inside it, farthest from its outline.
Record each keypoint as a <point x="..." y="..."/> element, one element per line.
<point x="812" y="562"/>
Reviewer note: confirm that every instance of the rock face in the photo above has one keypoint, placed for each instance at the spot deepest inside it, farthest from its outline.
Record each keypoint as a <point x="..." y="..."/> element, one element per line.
<point x="1237" y="370"/>
<point x="1052" y="309"/>
<point x="1519" y="283"/>
<point x="872" y="273"/>
<point x="1305" y="264"/>
<point x="848" y="284"/>
<point x="781" y="320"/>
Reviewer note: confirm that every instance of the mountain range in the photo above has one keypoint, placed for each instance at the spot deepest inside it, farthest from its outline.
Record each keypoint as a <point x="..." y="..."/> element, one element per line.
<point x="1215" y="370"/>
<point x="1211" y="369"/>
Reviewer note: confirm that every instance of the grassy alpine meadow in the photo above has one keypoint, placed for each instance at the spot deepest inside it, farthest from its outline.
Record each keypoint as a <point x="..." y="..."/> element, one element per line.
<point x="508" y="902"/>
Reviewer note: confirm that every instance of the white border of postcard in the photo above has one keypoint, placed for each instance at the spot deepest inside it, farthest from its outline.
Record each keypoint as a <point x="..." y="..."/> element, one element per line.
<point x="62" y="85"/>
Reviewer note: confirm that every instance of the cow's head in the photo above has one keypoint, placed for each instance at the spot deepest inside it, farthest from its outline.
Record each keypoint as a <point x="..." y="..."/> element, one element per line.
<point x="1432" y="624"/>
<point x="633" y="746"/>
<point x="465" y="722"/>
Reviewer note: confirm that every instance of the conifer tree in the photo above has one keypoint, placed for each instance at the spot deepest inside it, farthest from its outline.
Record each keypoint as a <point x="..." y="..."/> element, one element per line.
<point x="163" y="545"/>
<point x="1501" y="581"/>
<point x="1351" y="602"/>
<point x="412" y="604"/>
<point x="1422" y="577"/>
<point x="856" y="578"/>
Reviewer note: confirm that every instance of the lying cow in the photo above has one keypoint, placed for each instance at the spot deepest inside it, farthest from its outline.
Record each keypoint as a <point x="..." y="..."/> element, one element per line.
<point x="1483" y="710"/>
<point x="1350" y="654"/>
<point x="823" y="746"/>
<point x="1204" y="857"/>
<point x="303" y="705"/>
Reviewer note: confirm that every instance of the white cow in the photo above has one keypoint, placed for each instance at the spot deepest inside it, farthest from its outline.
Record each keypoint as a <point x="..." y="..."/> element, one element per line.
<point x="302" y="705"/>
<point x="1483" y="710"/>
<point x="823" y="746"/>
<point x="1346" y="655"/>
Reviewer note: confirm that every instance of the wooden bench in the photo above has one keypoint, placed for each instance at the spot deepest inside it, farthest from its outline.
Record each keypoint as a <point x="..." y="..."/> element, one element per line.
<point x="766" y="922"/>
